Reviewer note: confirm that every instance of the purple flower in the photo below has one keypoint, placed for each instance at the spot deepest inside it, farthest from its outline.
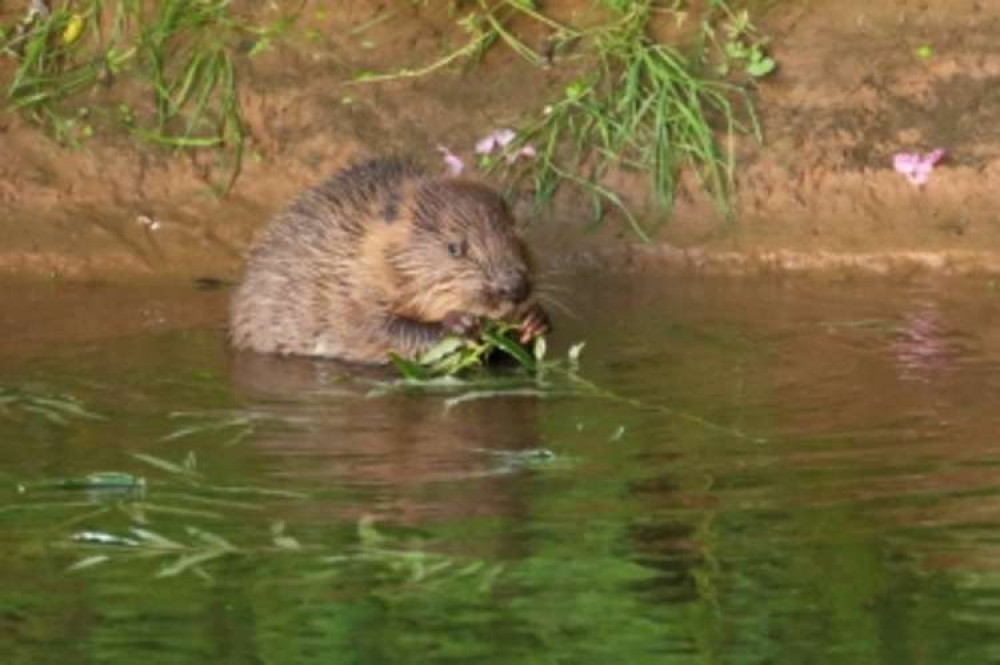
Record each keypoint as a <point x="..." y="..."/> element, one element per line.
<point x="453" y="164"/>
<point x="916" y="167"/>
<point x="500" y="139"/>
<point x="497" y="139"/>
<point x="527" y="151"/>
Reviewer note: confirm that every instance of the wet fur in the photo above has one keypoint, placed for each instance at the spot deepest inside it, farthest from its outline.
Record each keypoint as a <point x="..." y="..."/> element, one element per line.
<point x="360" y="265"/>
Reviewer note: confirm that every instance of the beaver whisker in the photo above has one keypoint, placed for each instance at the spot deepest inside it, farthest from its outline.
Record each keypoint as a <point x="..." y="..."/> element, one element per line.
<point x="553" y="271"/>
<point x="558" y="304"/>
<point x="550" y="287"/>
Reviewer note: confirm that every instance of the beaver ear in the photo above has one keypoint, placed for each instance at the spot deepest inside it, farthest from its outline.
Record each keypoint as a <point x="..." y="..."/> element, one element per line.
<point x="517" y="210"/>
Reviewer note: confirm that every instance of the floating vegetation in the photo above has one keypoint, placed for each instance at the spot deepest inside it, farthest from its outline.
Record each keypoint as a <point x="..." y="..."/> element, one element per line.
<point x="187" y="471"/>
<point x="457" y="355"/>
<point x="237" y="426"/>
<point x="460" y="365"/>
<point x="128" y="494"/>
<point x="514" y="461"/>
<point x="199" y="547"/>
<point x="373" y="556"/>
<point x="455" y="368"/>
<point x="53" y="408"/>
<point x="378" y="556"/>
<point x="101" y="480"/>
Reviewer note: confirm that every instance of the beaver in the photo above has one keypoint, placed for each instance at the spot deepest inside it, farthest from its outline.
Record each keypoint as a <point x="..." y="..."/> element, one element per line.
<point x="383" y="257"/>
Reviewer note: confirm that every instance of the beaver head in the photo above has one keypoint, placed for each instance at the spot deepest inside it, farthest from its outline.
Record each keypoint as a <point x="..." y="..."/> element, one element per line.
<point x="461" y="253"/>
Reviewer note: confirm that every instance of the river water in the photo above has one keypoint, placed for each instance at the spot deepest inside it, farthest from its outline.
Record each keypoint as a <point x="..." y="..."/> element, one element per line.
<point x="746" y="471"/>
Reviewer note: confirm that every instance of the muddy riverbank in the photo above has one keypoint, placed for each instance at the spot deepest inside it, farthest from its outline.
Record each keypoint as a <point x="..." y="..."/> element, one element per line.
<point x="858" y="82"/>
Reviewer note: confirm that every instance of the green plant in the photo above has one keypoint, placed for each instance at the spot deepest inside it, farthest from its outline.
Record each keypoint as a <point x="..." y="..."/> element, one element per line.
<point x="181" y="51"/>
<point x="644" y="107"/>
<point x="485" y="25"/>
<point x="32" y="402"/>
<point x="455" y="355"/>
<point x="647" y="108"/>
<point x="740" y="44"/>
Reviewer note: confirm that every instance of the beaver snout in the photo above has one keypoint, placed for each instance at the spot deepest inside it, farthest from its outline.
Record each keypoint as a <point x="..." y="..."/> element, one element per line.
<point x="513" y="287"/>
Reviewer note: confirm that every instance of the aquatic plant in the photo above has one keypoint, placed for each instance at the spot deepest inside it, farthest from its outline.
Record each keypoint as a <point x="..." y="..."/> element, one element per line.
<point x="455" y="367"/>
<point x="53" y="408"/>
<point x="374" y="555"/>
<point x="455" y="355"/>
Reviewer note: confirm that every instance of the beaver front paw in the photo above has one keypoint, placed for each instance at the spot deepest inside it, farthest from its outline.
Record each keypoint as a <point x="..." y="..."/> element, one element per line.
<point x="462" y="324"/>
<point x="534" y="323"/>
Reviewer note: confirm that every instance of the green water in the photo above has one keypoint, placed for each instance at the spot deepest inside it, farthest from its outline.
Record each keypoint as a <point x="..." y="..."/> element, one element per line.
<point x="839" y="503"/>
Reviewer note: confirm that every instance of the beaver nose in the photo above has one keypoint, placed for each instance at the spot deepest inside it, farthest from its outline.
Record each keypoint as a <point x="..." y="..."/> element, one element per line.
<point x="514" y="287"/>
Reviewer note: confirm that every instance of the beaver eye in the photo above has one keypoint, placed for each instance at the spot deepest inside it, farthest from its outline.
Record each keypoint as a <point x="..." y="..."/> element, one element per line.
<point x="456" y="249"/>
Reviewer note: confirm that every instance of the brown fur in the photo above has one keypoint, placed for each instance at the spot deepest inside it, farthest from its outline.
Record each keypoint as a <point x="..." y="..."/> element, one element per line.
<point x="363" y="264"/>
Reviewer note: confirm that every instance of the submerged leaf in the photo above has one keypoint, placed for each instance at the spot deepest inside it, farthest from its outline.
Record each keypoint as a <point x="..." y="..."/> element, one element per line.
<point x="156" y="540"/>
<point x="165" y="465"/>
<point x="211" y="538"/>
<point x="88" y="562"/>
<point x="367" y="533"/>
<point x="190" y="561"/>
<point x="103" y="538"/>
<point x="103" y="480"/>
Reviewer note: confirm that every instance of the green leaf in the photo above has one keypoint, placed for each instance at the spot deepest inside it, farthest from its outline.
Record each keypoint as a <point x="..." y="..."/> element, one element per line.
<point x="156" y="540"/>
<point x="165" y="465"/>
<point x="103" y="480"/>
<point x="88" y="562"/>
<point x="188" y="561"/>
<point x="445" y="347"/>
<point x="409" y="369"/>
<point x="511" y="348"/>
<point x="762" y="67"/>
<point x="540" y="348"/>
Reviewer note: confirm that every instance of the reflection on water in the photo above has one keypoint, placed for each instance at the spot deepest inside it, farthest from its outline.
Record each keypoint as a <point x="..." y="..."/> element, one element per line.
<point x="841" y="505"/>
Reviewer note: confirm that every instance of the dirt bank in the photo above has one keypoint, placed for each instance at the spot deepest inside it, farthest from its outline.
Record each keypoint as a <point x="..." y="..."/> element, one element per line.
<point x="858" y="82"/>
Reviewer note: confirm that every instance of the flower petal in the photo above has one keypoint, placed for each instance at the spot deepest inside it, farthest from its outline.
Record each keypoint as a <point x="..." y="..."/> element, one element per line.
<point x="453" y="164"/>
<point x="935" y="156"/>
<point x="484" y="146"/>
<point x="504" y="136"/>
<point x="905" y="162"/>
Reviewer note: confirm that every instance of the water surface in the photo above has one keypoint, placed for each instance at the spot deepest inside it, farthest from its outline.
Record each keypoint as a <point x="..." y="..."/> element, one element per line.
<point x="774" y="472"/>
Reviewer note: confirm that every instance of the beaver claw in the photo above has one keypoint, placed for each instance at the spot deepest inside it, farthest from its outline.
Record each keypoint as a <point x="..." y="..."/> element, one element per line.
<point x="534" y="324"/>
<point x="462" y="324"/>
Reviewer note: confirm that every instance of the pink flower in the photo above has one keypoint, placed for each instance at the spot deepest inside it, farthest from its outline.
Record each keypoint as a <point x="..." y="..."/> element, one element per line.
<point x="500" y="139"/>
<point x="527" y="151"/>
<point x="916" y="167"/>
<point x="453" y="164"/>
<point x="497" y="139"/>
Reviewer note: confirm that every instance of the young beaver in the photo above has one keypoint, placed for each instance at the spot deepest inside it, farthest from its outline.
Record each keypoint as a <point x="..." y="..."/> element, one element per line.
<point x="383" y="257"/>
